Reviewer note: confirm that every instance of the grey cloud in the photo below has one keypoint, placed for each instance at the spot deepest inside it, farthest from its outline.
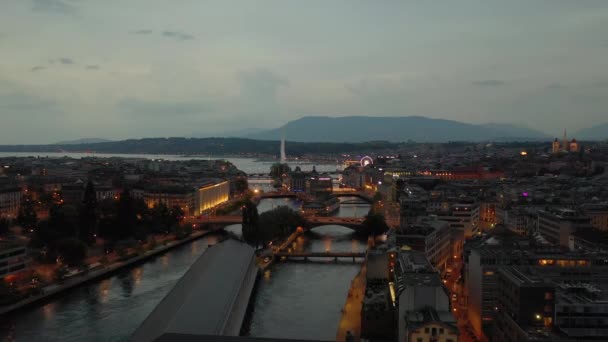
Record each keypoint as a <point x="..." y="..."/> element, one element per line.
<point x="259" y="90"/>
<point x="556" y="85"/>
<point x="489" y="83"/>
<point x="92" y="67"/>
<point x="162" y="108"/>
<point x="66" y="60"/>
<point x="37" y="68"/>
<point x="177" y="35"/>
<point x="142" y="32"/>
<point x="261" y="78"/>
<point x="599" y="84"/>
<point x="54" y="6"/>
<point x="369" y="87"/>
<point x="380" y="95"/>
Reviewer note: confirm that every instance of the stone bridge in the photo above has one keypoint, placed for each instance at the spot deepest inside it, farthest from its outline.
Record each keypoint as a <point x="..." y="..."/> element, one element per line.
<point x="354" y="223"/>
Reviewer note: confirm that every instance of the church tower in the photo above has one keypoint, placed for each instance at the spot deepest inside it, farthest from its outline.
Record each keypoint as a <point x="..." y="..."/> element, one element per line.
<point x="555" y="146"/>
<point x="566" y="144"/>
<point x="574" y="145"/>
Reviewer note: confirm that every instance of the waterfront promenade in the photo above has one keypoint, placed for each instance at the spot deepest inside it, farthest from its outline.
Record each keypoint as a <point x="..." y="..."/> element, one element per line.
<point x="351" y="312"/>
<point x="70" y="283"/>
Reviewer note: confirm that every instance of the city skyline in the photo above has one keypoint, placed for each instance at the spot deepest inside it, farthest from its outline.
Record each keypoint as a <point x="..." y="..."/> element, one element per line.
<point x="79" y="69"/>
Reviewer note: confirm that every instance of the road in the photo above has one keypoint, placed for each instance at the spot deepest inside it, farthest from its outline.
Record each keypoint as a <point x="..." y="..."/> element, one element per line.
<point x="459" y="306"/>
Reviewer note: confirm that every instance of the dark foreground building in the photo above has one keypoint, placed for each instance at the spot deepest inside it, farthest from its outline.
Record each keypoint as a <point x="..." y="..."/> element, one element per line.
<point x="209" y="300"/>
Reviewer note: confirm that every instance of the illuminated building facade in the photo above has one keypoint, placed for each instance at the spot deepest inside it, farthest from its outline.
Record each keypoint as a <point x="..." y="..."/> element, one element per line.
<point x="319" y="184"/>
<point x="297" y="180"/>
<point x="192" y="200"/>
<point x="10" y="200"/>
<point x="565" y="145"/>
<point x="211" y="195"/>
<point x="170" y="196"/>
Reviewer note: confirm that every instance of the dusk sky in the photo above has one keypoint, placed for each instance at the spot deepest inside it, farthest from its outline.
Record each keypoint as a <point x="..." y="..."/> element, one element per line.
<point x="120" y="69"/>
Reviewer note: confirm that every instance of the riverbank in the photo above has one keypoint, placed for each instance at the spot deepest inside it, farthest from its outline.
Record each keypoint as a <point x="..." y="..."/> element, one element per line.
<point x="56" y="289"/>
<point x="351" y="312"/>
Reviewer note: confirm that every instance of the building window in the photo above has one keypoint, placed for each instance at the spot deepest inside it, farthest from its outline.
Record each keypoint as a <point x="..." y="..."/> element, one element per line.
<point x="426" y="330"/>
<point x="434" y="332"/>
<point x="440" y="330"/>
<point x="419" y="339"/>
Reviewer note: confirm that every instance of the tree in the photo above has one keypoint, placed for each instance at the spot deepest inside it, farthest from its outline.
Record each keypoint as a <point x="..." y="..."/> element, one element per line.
<point x="126" y="217"/>
<point x="88" y="216"/>
<point x="176" y="214"/>
<point x="279" y="223"/>
<point x="159" y="216"/>
<point x="374" y="224"/>
<point x="377" y="205"/>
<point x="377" y="196"/>
<point x="240" y="184"/>
<point x="162" y="219"/>
<point x="72" y="251"/>
<point x="63" y="219"/>
<point x="250" y="224"/>
<point x="26" y="216"/>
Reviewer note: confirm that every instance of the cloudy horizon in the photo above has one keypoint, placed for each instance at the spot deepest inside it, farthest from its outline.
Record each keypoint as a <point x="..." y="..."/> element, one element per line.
<point x="140" y="68"/>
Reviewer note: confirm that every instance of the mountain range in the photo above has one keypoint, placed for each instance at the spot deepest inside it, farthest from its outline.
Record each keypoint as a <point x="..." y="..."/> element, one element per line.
<point x="83" y="141"/>
<point x="394" y="129"/>
<point x="597" y="132"/>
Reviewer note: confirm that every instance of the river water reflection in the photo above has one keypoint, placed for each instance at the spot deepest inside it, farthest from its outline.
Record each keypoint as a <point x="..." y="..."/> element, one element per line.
<point x="295" y="300"/>
<point x="303" y="300"/>
<point x="109" y="310"/>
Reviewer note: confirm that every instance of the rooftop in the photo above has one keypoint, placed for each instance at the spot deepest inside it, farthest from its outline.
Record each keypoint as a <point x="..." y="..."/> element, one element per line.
<point x="203" y="300"/>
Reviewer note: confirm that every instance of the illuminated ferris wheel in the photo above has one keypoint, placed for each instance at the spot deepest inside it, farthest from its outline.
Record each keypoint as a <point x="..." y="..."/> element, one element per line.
<point x="366" y="161"/>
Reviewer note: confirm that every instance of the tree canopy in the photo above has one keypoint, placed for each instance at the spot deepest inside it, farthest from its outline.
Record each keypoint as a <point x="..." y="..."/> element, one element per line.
<point x="375" y="224"/>
<point x="278" y="223"/>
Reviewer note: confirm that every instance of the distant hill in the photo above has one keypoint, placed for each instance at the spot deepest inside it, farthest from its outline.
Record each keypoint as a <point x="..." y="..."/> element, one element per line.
<point x="83" y="141"/>
<point x="395" y="129"/>
<point x="598" y="132"/>
<point x="231" y="134"/>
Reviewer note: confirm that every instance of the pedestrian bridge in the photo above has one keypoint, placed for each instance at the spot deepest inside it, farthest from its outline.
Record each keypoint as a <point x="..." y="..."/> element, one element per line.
<point x="329" y="255"/>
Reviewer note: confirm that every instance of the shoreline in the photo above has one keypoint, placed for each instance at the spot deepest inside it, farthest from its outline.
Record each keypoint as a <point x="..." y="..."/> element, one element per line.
<point x="57" y="289"/>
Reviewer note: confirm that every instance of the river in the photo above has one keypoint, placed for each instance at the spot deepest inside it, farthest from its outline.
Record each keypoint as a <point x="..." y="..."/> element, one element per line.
<point x="293" y="300"/>
<point x="303" y="300"/>
<point x="248" y="165"/>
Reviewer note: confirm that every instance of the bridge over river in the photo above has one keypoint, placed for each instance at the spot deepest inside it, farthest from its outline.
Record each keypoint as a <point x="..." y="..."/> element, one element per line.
<point x="354" y="223"/>
<point x="331" y="255"/>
